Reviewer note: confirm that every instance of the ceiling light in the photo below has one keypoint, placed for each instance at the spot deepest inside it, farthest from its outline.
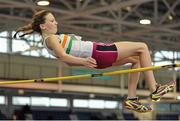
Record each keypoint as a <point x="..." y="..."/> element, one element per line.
<point x="178" y="97"/>
<point x="43" y="2"/>
<point x="170" y="17"/>
<point x="91" y="95"/>
<point x="128" y="8"/>
<point x="145" y="21"/>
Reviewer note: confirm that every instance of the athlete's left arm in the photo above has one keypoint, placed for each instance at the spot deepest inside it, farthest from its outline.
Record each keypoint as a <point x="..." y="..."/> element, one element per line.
<point x="71" y="64"/>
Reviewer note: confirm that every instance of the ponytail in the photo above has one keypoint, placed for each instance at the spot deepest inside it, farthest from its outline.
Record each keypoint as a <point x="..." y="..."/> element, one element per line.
<point x="38" y="18"/>
<point x="27" y="29"/>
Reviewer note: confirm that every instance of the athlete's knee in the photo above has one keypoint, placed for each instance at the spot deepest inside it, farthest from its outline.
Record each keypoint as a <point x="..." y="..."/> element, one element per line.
<point x="142" y="45"/>
<point x="137" y="59"/>
<point x="135" y="62"/>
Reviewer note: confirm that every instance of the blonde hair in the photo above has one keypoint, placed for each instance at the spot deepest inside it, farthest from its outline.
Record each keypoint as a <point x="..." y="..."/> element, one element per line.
<point x="34" y="26"/>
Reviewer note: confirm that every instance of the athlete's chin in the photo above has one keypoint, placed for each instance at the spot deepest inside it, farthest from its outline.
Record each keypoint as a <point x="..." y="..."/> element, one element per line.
<point x="55" y="31"/>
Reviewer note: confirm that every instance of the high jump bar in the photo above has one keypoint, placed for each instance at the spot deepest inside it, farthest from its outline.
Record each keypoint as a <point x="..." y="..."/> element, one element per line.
<point x="90" y="75"/>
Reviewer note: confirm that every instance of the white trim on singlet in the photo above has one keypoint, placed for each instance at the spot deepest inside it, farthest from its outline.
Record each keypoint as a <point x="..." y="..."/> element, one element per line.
<point x="50" y="51"/>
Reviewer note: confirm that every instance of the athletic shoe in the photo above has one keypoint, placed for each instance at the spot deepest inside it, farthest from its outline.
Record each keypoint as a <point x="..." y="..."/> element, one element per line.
<point x="162" y="90"/>
<point x="134" y="104"/>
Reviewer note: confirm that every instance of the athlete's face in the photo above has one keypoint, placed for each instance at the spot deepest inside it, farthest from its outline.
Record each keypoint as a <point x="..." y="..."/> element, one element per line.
<point x="50" y="24"/>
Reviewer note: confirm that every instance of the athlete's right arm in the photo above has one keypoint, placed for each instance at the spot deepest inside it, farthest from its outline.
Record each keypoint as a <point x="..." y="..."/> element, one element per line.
<point x="53" y="43"/>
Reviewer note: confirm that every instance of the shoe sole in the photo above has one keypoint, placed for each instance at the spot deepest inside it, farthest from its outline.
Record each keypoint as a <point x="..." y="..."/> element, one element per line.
<point x="132" y="109"/>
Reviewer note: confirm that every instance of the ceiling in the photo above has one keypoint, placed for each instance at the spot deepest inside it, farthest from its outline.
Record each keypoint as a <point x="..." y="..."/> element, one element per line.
<point x="105" y="20"/>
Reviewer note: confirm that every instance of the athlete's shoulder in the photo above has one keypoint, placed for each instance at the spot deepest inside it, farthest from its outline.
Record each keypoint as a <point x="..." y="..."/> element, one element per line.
<point x="53" y="36"/>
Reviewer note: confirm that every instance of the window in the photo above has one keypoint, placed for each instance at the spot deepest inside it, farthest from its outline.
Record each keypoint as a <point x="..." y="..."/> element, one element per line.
<point x="111" y="104"/>
<point x="40" y="101"/>
<point x="4" y="34"/>
<point x="2" y="99"/>
<point x="3" y="45"/>
<point x="159" y="56"/>
<point x="21" y="100"/>
<point x="99" y="104"/>
<point x="57" y="102"/>
<point x="34" y="53"/>
<point x="80" y="103"/>
<point x="19" y="46"/>
<point x="95" y="104"/>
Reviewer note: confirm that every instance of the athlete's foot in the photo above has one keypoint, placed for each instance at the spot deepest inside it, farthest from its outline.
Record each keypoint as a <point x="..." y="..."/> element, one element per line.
<point x="135" y="105"/>
<point x="162" y="90"/>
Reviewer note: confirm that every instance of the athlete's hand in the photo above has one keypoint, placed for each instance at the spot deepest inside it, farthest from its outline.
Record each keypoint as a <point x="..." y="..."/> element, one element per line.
<point x="90" y="62"/>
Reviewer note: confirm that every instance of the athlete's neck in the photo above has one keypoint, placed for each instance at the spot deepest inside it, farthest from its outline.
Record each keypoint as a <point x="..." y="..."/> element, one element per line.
<point x="45" y="35"/>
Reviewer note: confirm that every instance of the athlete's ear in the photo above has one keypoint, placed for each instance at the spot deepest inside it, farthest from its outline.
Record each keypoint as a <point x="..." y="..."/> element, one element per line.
<point x="42" y="26"/>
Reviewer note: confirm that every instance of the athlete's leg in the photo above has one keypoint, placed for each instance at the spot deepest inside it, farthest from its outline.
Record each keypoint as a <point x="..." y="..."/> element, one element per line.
<point x="133" y="77"/>
<point x="128" y="49"/>
<point x="132" y="102"/>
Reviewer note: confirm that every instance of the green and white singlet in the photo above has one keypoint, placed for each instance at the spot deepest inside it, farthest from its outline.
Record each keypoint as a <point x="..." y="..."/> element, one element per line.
<point x="73" y="45"/>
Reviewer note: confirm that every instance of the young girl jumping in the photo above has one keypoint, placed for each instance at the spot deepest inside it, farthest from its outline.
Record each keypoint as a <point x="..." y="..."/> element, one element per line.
<point x="70" y="49"/>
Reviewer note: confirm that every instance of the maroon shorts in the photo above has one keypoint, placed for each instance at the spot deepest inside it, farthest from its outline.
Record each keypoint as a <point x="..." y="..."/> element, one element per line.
<point x="104" y="54"/>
